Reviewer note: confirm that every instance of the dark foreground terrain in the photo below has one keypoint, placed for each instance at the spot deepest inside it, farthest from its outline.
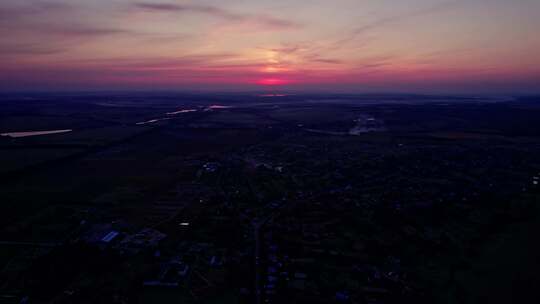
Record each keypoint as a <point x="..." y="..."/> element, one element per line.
<point x="164" y="198"/>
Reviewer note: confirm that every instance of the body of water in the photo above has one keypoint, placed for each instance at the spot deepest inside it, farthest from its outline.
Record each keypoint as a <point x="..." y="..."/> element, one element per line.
<point x="34" y="133"/>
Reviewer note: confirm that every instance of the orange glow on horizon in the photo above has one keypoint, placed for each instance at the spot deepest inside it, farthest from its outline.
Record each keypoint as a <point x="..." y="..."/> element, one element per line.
<point x="274" y="69"/>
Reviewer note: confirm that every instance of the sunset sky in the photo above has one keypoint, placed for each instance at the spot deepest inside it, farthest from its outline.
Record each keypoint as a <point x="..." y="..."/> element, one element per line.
<point x="472" y="46"/>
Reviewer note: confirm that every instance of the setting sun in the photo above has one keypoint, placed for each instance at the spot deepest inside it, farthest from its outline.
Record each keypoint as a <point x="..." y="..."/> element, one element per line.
<point x="272" y="82"/>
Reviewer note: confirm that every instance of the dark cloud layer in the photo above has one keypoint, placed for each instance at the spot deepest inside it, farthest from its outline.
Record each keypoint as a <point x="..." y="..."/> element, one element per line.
<point x="217" y="12"/>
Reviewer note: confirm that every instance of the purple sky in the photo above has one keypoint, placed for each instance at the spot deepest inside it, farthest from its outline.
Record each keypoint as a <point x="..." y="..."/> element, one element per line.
<point x="465" y="46"/>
